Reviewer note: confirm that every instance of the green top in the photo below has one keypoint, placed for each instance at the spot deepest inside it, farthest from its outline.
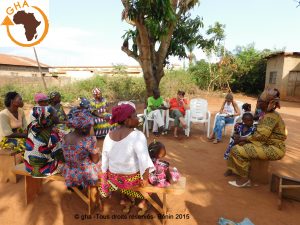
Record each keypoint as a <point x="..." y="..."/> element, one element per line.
<point x="154" y="102"/>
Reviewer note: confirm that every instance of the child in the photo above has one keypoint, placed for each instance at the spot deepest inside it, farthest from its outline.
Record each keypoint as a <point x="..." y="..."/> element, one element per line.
<point x="246" y="107"/>
<point x="162" y="176"/>
<point x="243" y="129"/>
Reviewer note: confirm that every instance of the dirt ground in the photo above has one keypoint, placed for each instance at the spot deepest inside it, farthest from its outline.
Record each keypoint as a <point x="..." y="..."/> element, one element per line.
<point x="208" y="196"/>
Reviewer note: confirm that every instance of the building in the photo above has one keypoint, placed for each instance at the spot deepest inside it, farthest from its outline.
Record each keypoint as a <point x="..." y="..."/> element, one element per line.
<point x="283" y="73"/>
<point x="17" y="70"/>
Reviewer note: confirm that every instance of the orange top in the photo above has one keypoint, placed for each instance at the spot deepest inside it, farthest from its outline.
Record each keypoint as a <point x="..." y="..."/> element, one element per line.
<point x="174" y="104"/>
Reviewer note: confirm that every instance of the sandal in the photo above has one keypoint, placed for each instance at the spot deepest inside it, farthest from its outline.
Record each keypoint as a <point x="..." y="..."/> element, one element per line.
<point x="143" y="210"/>
<point x="235" y="184"/>
<point x="216" y="141"/>
<point x="127" y="207"/>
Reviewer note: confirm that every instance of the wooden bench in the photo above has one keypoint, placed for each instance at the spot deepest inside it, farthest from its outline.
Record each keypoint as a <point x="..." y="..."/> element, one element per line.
<point x="8" y="160"/>
<point x="259" y="171"/>
<point x="33" y="187"/>
<point x="286" y="187"/>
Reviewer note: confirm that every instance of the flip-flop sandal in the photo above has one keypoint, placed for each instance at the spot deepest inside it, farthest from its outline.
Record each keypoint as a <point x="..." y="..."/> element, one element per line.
<point x="143" y="211"/>
<point x="235" y="184"/>
<point x="216" y="141"/>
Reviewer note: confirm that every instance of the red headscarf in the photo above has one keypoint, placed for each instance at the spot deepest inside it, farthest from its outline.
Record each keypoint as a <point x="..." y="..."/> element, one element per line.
<point x="121" y="112"/>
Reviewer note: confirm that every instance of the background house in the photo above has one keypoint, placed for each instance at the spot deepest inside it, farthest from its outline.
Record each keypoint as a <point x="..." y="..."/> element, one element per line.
<point x="283" y="73"/>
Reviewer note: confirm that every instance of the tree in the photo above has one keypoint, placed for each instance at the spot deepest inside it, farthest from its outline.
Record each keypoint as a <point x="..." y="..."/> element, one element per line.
<point x="161" y="28"/>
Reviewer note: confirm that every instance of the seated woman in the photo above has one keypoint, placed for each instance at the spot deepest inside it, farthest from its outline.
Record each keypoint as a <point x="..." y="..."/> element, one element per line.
<point x="99" y="110"/>
<point x="178" y="106"/>
<point x="13" y="124"/>
<point x="155" y="104"/>
<point x="125" y="159"/>
<point x="82" y="166"/>
<point x="43" y="155"/>
<point x="227" y="112"/>
<point x="266" y="143"/>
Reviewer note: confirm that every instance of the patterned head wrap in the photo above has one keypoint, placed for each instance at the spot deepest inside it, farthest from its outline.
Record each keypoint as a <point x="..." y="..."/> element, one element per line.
<point x="81" y="119"/>
<point x="96" y="91"/>
<point x="121" y="112"/>
<point x="272" y="96"/>
<point x="53" y="94"/>
<point x="40" y="97"/>
<point x="42" y="116"/>
<point x="84" y="103"/>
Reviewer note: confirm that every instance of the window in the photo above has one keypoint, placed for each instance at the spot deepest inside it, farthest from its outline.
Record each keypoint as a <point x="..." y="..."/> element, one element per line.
<point x="272" y="79"/>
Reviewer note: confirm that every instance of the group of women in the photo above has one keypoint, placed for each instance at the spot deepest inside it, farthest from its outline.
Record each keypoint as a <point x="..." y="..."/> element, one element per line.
<point x="125" y="159"/>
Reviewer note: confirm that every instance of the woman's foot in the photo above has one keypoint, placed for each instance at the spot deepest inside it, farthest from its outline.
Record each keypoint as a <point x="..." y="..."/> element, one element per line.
<point x="143" y="208"/>
<point x="127" y="207"/>
<point x="228" y="173"/>
<point x="241" y="182"/>
<point x="216" y="141"/>
<point x="211" y="137"/>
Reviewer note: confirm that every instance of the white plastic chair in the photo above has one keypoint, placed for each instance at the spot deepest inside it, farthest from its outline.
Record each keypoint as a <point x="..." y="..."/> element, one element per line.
<point x="186" y="117"/>
<point x="147" y="119"/>
<point x="199" y="113"/>
<point x="240" y="104"/>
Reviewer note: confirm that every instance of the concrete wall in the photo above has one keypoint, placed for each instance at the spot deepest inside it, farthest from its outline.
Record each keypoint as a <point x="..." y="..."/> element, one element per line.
<point x="282" y="65"/>
<point x="275" y="64"/>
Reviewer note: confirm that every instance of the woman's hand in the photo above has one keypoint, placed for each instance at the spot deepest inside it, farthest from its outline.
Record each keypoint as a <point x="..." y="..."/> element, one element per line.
<point x="144" y="183"/>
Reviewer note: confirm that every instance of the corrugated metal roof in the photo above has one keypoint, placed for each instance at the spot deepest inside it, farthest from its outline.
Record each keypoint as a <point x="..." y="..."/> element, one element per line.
<point x="18" y="61"/>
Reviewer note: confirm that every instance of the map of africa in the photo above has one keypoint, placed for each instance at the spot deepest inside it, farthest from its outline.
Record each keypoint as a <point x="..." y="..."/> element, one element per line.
<point x="29" y="22"/>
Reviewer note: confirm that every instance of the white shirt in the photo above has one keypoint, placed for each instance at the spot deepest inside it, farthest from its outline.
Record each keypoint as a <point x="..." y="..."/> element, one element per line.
<point x="127" y="156"/>
<point x="228" y="108"/>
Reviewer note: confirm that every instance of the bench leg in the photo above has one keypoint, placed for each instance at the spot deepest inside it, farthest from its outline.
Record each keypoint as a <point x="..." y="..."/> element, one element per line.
<point x="6" y="166"/>
<point x="280" y="194"/>
<point x="33" y="187"/>
<point x="152" y="202"/>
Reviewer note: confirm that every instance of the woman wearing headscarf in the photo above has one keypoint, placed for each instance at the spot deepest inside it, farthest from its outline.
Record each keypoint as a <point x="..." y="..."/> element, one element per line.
<point x="13" y="124"/>
<point x="227" y="112"/>
<point x="82" y="166"/>
<point x="266" y="143"/>
<point x="125" y="159"/>
<point x="99" y="110"/>
<point x="43" y="155"/>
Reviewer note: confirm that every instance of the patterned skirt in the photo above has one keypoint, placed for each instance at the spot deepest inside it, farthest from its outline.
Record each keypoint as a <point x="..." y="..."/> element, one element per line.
<point x="240" y="156"/>
<point x="16" y="144"/>
<point x="102" y="126"/>
<point x="117" y="182"/>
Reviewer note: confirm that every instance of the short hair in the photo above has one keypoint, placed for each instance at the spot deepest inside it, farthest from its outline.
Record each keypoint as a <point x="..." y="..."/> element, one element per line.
<point x="154" y="148"/>
<point x="246" y="107"/>
<point x="247" y="114"/>
<point x="180" y="92"/>
<point x="9" y="97"/>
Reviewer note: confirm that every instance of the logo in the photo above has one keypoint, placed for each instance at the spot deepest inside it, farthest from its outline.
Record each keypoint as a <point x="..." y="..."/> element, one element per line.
<point x="24" y="23"/>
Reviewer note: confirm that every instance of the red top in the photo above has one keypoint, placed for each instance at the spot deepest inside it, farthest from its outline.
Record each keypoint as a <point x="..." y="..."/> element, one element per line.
<point x="174" y="104"/>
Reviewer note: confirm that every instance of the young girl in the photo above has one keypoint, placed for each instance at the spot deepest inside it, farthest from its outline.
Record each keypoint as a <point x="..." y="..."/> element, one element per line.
<point x="162" y="176"/>
<point x="243" y="129"/>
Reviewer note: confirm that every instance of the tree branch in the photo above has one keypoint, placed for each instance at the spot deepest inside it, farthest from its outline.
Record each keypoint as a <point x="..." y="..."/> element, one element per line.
<point x="131" y="54"/>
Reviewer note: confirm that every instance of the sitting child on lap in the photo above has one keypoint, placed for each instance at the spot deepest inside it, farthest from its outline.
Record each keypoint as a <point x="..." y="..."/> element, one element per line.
<point x="162" y="176"/>
<point x="243" y="129"/>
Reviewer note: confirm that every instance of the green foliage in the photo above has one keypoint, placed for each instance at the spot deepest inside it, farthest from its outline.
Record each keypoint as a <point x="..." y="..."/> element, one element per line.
<point x="177" y="80"/>
<point x="251" y="64"/>
<point x="120" y="69"/>
<point x="200" y="74"/>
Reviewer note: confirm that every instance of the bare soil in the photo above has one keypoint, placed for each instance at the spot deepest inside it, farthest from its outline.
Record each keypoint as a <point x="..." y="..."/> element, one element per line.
<point x="208" y="196"/>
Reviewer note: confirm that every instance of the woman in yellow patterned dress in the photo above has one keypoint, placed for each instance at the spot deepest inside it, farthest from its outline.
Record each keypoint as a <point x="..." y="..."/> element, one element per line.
<point x="266" y="143"/>
<point x="99" y="110"/>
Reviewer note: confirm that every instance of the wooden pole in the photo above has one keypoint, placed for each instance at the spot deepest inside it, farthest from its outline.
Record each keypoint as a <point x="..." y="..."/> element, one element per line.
<point x="39" y="66"/>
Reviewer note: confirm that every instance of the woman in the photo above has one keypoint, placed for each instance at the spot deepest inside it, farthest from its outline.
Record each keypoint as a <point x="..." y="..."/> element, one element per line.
<point x="98" y="109"/>
<point x="13" y="124"/>
<point x="125" y="159"/>
<point x="267" y="142"/>
<point x="54" y="100"/>
<point x="227" y="112"/>
<point x="82" y="166"/>
<point x="178" y="106"/>
<point x="43" y="155"/>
